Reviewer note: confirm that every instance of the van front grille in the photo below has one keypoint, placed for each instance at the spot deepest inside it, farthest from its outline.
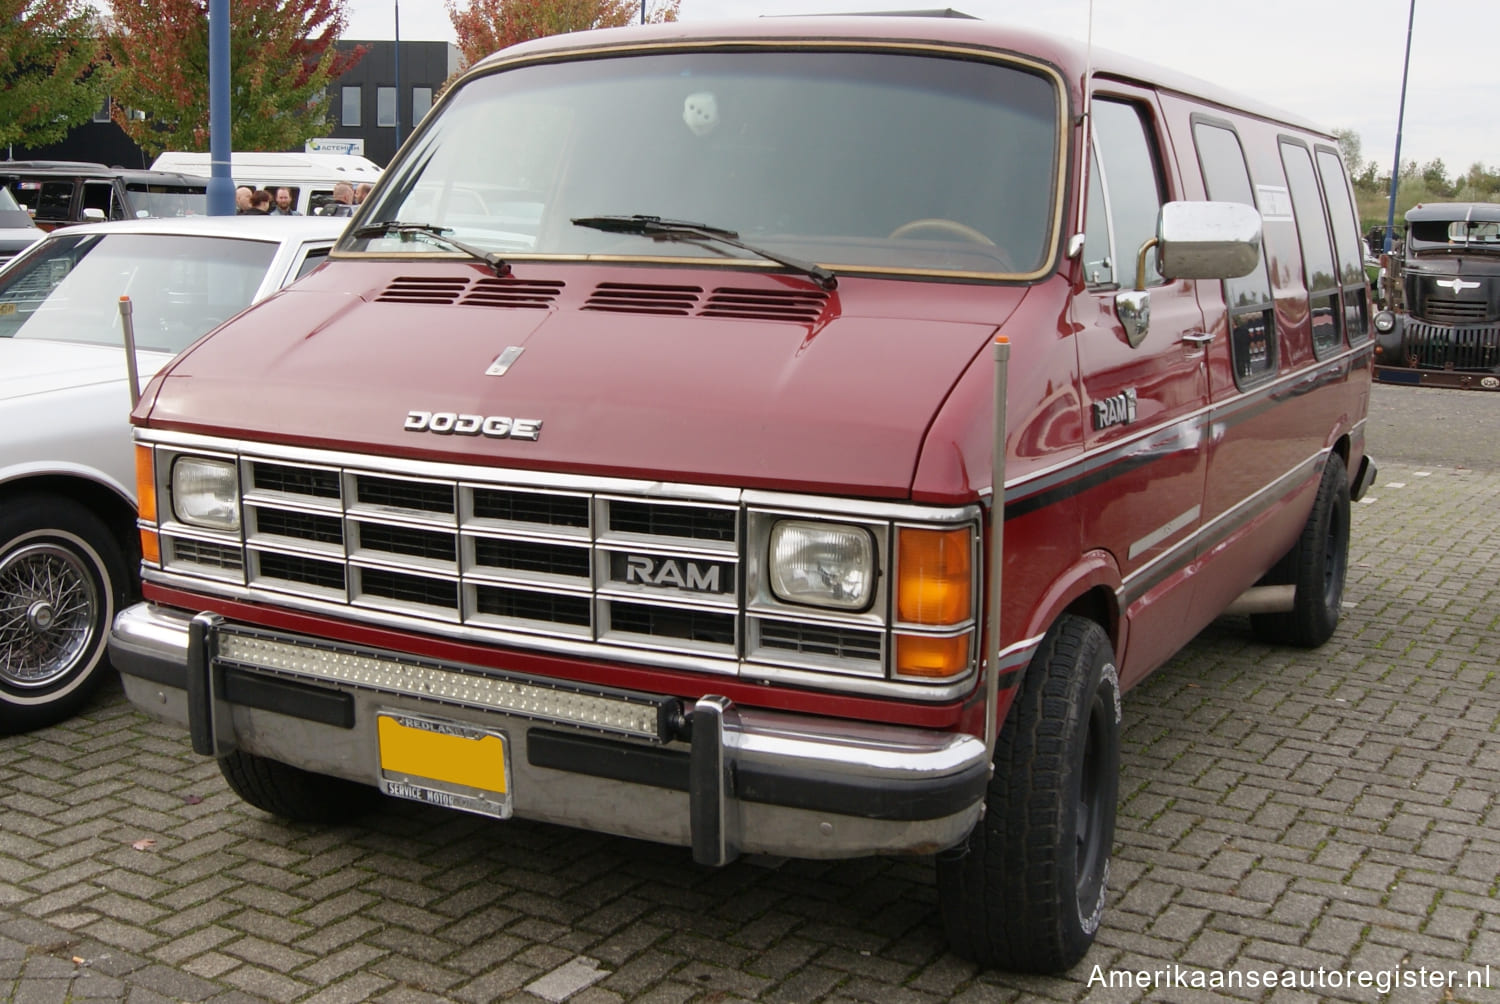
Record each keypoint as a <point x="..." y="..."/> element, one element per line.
<point x="640" y="572"/>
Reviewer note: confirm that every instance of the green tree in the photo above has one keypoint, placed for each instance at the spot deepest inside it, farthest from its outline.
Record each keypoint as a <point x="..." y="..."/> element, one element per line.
<point x="281" y="60"/>
<point x="1435" y="177"/>
<point x="486" y="26"/>
<point x="1352" y="148"/>
<point x="50" y="77"/>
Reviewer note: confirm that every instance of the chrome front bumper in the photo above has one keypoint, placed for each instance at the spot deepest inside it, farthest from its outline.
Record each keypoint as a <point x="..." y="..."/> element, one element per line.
<point x="719" y="778"/>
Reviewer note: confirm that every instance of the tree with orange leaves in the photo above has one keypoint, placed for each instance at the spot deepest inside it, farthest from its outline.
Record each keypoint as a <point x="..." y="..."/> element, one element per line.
<point x="486" y="26"/>
<point x="281" y="60"/>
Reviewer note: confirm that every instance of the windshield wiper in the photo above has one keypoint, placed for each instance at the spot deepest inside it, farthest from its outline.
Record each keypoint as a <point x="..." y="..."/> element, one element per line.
<point x="686" y="230"/>
<point x="436" y="233"/>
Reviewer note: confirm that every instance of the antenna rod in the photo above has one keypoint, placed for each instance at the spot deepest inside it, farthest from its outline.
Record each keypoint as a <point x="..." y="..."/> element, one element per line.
<point x="1088" y="122"/>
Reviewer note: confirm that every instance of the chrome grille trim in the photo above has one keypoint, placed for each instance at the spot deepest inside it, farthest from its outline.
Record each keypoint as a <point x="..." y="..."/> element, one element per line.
<point x="648" y="573"/>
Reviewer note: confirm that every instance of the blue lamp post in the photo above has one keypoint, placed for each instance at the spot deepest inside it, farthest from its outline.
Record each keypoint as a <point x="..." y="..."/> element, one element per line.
<point x="1390" y="215"/>
<point x="220" y="181"/>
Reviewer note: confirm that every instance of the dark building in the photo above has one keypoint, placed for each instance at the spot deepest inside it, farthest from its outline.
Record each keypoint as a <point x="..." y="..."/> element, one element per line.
<point x="362" y="105"/>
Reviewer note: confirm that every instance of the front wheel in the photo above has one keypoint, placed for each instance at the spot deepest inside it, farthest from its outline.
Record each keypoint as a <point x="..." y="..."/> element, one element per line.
<point x="1027" y="889"/>
<point x="62" y="577"/>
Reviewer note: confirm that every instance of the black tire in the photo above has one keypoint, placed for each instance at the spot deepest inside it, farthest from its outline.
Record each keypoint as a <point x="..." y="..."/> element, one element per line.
<point x="293" y="793"/>
<point x="1317" y="565"/>
<point x="1026" y="891"/>
<point x="62" y="578"/>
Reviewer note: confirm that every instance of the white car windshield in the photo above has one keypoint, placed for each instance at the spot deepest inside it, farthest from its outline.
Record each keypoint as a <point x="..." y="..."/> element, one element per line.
<point x="880" y="160"/>
<point x="180" y="287"/>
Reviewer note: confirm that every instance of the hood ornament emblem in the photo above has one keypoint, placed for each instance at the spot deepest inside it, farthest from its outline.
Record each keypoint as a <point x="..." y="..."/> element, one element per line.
<point x="1456" y="284"/>
<point x="503" y="361"/>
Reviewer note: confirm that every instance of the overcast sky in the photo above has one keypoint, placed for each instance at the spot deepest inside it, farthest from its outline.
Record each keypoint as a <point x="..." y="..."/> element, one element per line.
<point x="1334" y="62"/>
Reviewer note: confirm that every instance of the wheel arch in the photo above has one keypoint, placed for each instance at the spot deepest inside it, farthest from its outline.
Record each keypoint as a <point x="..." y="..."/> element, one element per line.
<point x="1090" y="588"/>
<point x="101" y="496"/>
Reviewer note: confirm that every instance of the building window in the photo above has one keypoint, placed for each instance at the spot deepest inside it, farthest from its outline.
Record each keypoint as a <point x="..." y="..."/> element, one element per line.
<point x="385" y="106"/>
<point x="421" y="101"/>
<point x="101" y="114"/>
<point x="350" y="116"/>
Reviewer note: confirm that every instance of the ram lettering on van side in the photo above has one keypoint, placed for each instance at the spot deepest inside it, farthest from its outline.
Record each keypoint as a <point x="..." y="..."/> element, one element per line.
<point x="1118" y="409"/>
<point x="448" y="423"/>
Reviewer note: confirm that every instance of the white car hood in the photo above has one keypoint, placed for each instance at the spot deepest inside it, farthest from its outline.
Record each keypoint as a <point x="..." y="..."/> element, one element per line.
<point x="37" y="366"/>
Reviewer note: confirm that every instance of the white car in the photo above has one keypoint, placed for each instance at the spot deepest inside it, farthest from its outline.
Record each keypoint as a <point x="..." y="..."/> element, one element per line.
<point x="69" y="551"/>
<point x="17" y="232"/>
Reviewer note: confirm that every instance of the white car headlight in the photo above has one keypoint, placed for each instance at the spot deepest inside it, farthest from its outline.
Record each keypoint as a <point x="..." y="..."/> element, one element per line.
<point x="822" y="564"/>
<point x="206" y="493"/>
<point x="1385" y="321"/>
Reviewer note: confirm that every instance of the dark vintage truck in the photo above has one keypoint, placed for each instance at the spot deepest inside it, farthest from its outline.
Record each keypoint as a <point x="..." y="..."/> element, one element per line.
<point x="1441" y="293"/>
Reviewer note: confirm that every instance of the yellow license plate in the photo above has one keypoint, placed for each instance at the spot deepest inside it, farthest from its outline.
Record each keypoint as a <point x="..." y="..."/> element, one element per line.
<point x="444" y="763"/>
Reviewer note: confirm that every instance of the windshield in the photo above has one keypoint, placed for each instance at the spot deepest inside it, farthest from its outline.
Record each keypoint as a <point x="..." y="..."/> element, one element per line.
<point x="853" y="159"/>
<point x="180" y="288"/>
<point x="167" y="200"/>
<point x="1430" y="235"/>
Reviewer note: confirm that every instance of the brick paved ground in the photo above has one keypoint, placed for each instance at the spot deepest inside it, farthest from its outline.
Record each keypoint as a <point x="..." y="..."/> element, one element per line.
<point x="1280" y="811"/>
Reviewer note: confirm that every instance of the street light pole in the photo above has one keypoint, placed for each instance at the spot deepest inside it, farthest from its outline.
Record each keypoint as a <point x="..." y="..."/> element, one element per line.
<point x="1390" y="214"/>
<point x="398" y="72"/>
<point x="220" y="179"/>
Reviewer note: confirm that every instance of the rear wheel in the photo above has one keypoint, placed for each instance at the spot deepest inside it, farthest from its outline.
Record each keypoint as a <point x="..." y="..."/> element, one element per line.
<point x="62" y="577"/>
<point x="293" y="793"/>
<point x="1026" y="891"/>
<point x="1317" y="565"/>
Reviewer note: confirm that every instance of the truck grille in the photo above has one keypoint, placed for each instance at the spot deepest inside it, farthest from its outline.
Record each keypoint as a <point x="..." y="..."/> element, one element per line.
<point x="661" y="575"/>
<point x="1439" y="346"/>
<point x="1446" y="310"/>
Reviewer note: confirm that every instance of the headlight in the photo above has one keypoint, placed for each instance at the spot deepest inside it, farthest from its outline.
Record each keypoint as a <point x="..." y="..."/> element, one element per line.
<point x="1385" y="322"/>
<point x="822" y="564"/>
<point x="206" y="493"/>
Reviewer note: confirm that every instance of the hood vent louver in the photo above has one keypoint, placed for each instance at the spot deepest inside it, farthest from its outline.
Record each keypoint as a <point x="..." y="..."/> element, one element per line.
<point x="512" y="293"/>
<point x="632" y="298"/>
<point x="413" y="289"/>
<point x="488" y="292"/>
<point x="791" y="306"/>
<point x="796" y="306"/>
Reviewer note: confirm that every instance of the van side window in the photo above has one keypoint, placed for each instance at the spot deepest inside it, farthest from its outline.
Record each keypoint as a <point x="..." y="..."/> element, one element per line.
<point x="1324" y="293"/>
<point x="1125" y="196"/>
<point x="1252" y="314"/>
<point x="1346" y="244"/>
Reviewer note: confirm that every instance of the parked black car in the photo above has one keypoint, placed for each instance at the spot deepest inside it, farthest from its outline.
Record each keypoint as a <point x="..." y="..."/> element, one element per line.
<point x="60" y="192"/>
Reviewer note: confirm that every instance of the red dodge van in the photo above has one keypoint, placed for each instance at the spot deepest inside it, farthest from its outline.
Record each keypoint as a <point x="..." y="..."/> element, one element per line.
<point x="787" y="437"/>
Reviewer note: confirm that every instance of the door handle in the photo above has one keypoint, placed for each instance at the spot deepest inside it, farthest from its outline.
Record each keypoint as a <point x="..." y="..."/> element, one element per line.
<point x="1200" y="339"/>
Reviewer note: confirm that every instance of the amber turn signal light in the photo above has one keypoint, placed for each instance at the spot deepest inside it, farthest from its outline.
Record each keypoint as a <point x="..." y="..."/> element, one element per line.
<point x="145" y="483"/>
<point x="932" y="658"/>
<point x="935" y="576"/>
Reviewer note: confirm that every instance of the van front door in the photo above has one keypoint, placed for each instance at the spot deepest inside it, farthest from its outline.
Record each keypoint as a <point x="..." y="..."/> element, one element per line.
<point x="1145" y="394"/>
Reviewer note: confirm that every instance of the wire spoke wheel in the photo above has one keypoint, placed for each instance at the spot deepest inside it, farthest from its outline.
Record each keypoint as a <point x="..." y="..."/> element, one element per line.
<point x="48" y="614"/>
<point x="63" y="575"/>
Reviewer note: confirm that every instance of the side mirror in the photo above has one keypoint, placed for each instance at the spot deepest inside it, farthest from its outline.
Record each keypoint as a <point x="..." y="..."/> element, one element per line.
<point x="1194" y="240"/>
<point x="1207" y="240"/>
<point x="93" y="216"/>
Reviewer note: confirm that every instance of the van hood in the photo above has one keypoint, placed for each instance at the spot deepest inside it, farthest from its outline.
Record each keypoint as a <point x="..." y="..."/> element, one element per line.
<point x="840" y="397"/>
<point x="37" y="366"/>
